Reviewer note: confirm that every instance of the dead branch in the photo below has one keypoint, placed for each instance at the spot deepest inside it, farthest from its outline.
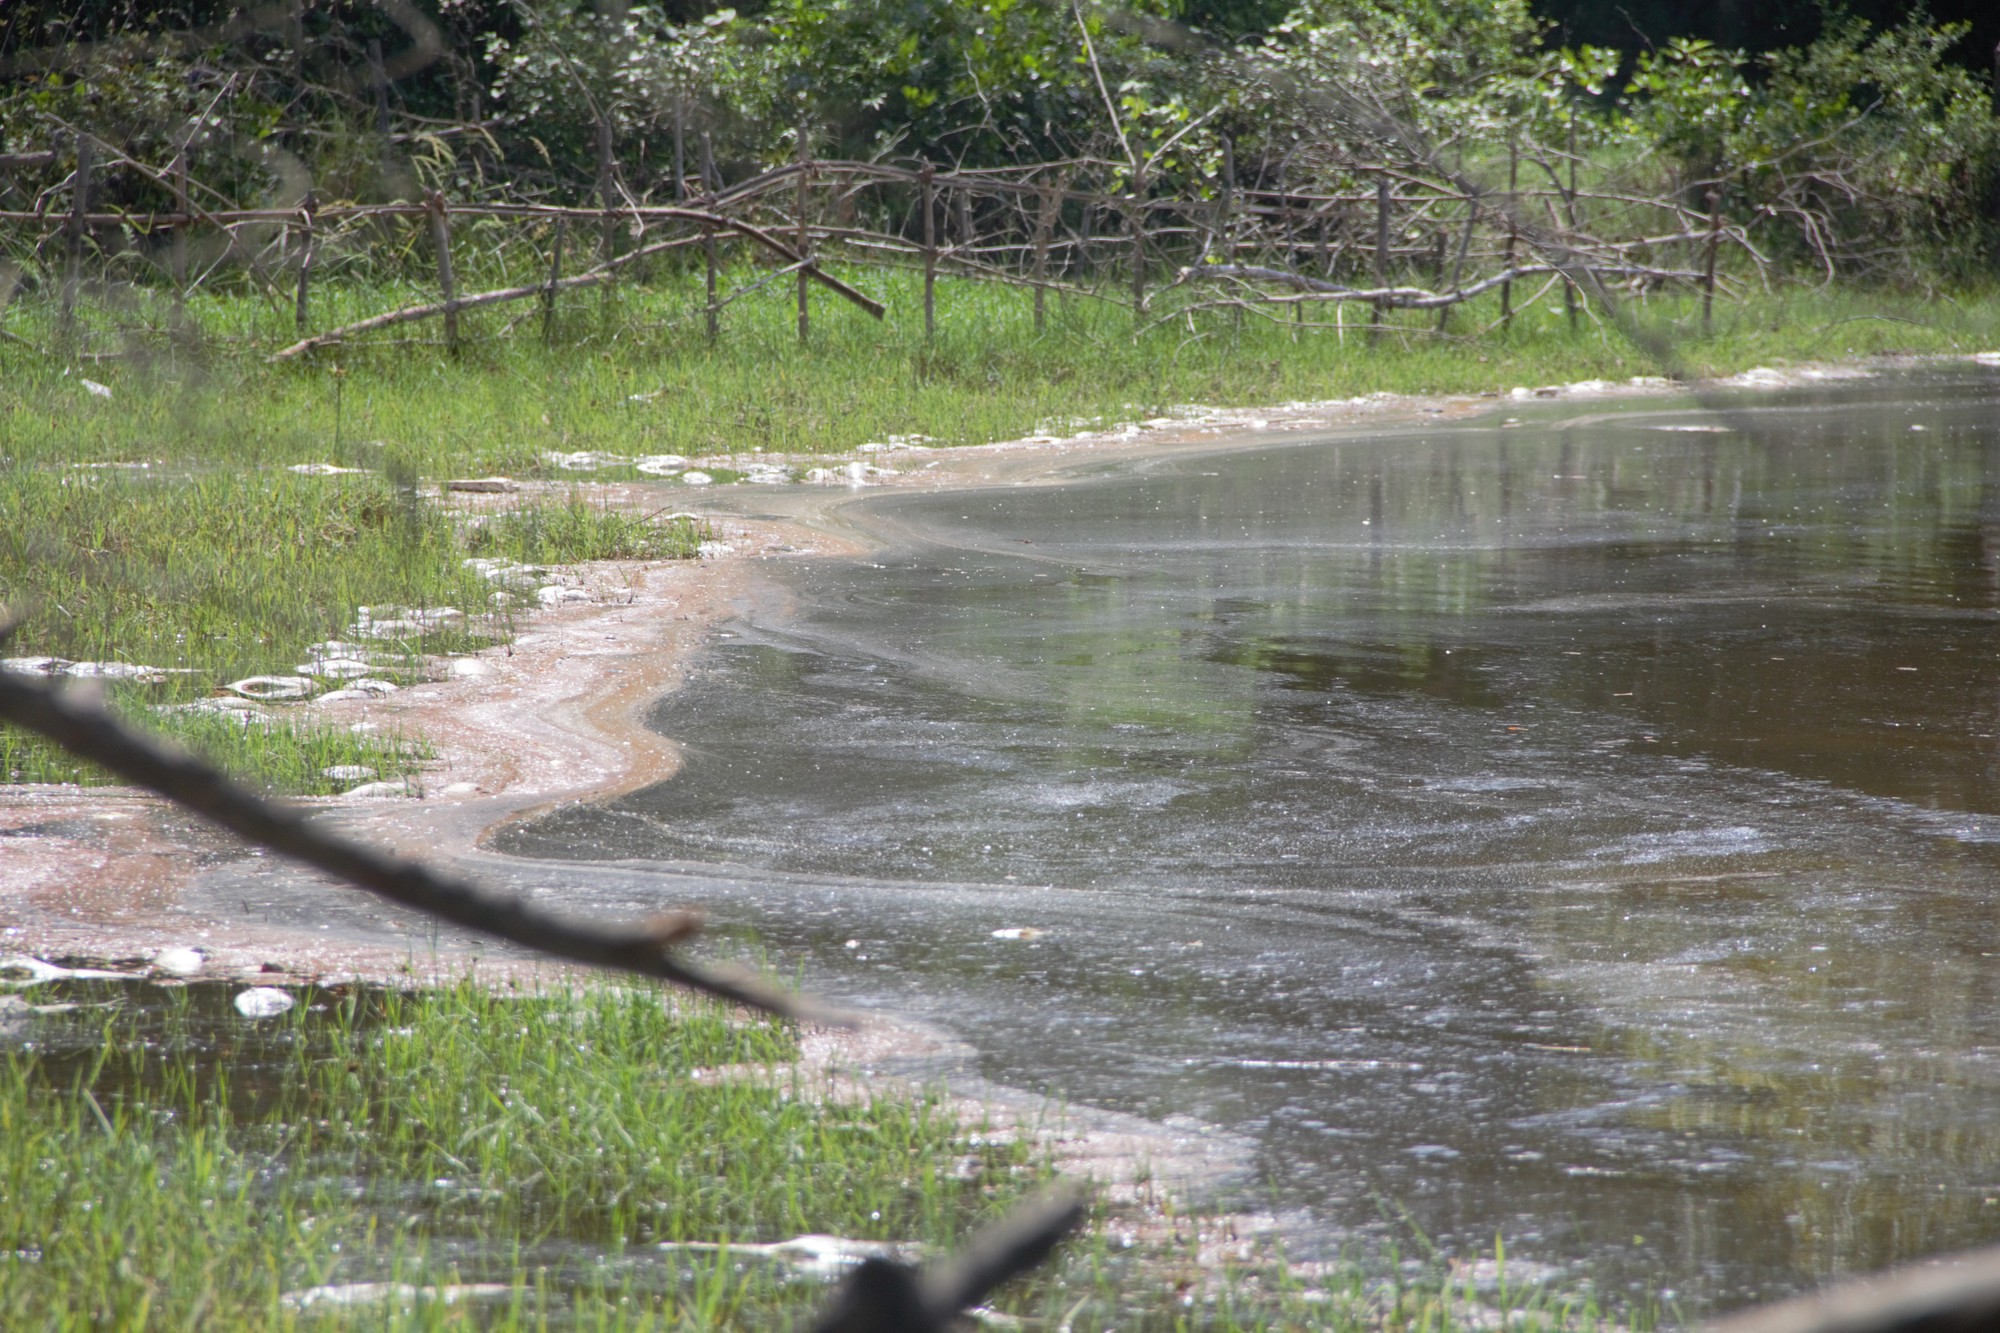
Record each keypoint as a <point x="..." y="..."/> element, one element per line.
<point x="883" y="1295"/>
<point x="601" y="273"/>
<point x="1957" y="1292"/>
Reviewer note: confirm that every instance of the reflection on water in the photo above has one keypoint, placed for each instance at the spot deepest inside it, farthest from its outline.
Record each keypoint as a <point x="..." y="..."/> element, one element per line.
<point x="1587" y="830"/>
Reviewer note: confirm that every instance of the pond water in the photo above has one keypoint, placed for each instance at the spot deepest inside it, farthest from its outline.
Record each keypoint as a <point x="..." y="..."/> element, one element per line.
<point x="1584" y="829"/>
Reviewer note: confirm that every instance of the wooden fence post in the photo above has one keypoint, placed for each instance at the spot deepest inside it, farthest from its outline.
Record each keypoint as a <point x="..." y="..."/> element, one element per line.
<point x="710" y="185"/>
<point x="1569" y="208"/>
<point x="441" y="241"/>
<point x="1044" y="225"/>
<point x="1138" y="226"/>
<point x="555" y="276"/>
<point x="178" y="174"/>
<point x="805" y="283"/>
<point x="607" y="198"/>
<point x="378" y="77"/>
<point x="680" y="149"/>
<point x="1381" y="251"/>
<point x="1227" y="215"/>
<point x="1513" y="233"/>
<point x="73" y="229"/>
<point x="1708" y="262"/>
<point x="927" y="194"/>
<point x="303" y="236"/>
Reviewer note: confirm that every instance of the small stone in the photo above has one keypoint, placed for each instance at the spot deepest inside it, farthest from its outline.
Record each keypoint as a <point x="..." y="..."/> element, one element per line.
<point x="459" y="790"/>
<point x="1019" y="933"/>
<point x="697" y="479"/>
<point x="263" y="1002"/>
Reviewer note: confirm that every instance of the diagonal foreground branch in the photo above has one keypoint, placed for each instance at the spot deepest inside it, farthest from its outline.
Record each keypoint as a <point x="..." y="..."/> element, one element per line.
<point x="1944" y="1295"/>
<point x="887" y="1297"/>
<point x="87" y="730"/>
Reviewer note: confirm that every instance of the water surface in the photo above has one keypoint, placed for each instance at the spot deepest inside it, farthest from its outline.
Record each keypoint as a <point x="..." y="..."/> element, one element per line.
<point x="1585" y="829"/>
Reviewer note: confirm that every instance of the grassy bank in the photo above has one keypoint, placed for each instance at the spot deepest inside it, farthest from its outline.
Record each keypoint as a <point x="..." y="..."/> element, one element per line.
<point x="158" y="515"/>
<point x="175" y="1165"/>
<point x="572" y="1158"/>
<point x="634" y="374"/>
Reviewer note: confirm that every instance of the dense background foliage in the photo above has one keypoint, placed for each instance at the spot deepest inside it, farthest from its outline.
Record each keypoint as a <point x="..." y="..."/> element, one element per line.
<point x="1873" y="132"/>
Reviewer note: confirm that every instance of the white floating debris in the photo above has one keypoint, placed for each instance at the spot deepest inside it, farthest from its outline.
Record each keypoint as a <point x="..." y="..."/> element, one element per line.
<point x="1759" y="377"/>
<point x="179" y="961"/>
<point x="335" y="668"/>
<point x="1987" y="358"/>
<point x="348" y="1295"/>
<point x="272" y="687"/>
<point x="395" y="627"/>
<point x="483" y="485"/>
<point x="122" y="671"/>
<point x="767" y="474"/>
<point x="824" y="1257"/>
<point x="62" y="666"/>
<point x="323" y="470"/>
<point x="94" y="389"/>
<point x="263" y="1002"/>
<point x="1019" y="933"/>
<point x="242" y="709"/>
<point x="337" y="648"/>
<point x="555" y="595"/>
<point x="40" y="970"/>
<point x="697" y="479"/>
<point x="1692" y="429"/>
<point x="377" y="791"/>
<point x="660" y="465"/>
<point x="586" y="460"/>
<point x="347" y="772"/>
<point x="713" y="550"/>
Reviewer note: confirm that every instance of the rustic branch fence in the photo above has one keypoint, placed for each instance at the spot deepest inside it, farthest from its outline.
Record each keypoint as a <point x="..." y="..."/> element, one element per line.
<point x="1390" y="239"/>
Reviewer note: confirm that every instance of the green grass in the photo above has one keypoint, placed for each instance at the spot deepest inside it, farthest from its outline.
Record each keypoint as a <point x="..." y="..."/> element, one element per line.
<point x="277" y="753"/>
<point x="165" y="1163"/>
<point x="177" y="1166"/>
<point x="202" y="552"/>
<point x="642" y="378"/>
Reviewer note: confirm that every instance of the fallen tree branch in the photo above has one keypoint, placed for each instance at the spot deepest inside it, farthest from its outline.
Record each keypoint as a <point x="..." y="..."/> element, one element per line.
<point x="602" y="273"/>
<point x="1418" y="298"/>
<point x="90" y="732"/>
